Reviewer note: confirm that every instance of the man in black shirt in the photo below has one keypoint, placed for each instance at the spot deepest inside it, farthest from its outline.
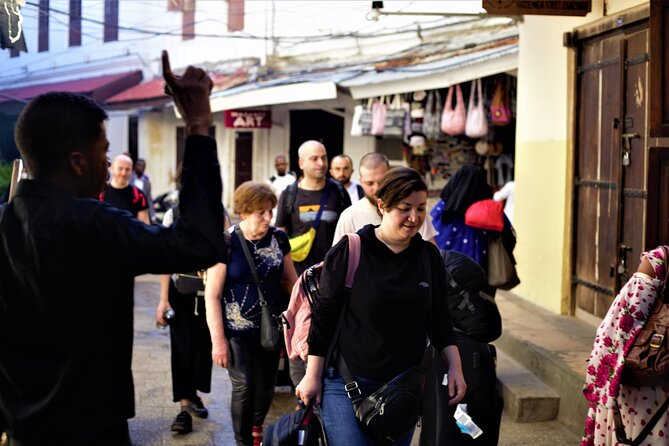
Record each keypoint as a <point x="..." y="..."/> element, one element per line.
<point x="298" y="206"/>
<point x="123" y="195"/>
<point x="66" y="281"/>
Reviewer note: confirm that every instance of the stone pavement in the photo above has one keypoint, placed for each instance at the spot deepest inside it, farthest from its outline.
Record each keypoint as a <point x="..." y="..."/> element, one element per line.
<point x="156" y="411"/>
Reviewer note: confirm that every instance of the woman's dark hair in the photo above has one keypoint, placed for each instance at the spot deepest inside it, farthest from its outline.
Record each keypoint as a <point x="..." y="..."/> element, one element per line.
<point x="467" y="186"/>
<point x="52" y="126"/>
<point x="397" y="184"/>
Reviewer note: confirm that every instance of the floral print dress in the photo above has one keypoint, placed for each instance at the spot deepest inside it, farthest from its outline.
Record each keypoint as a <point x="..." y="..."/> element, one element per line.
<point x="615" y="336"/>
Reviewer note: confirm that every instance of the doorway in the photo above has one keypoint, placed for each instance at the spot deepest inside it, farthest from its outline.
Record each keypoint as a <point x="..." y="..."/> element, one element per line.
<point x="243" y="157"/>
<point x="610" y="163"/>
<point x="317" y="125"/>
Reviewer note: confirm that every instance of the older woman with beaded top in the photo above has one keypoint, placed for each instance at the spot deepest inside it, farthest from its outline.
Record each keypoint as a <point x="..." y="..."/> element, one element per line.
<point x="234" y="324"/>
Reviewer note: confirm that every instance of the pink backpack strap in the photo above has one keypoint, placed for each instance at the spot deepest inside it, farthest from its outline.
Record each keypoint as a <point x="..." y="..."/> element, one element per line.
<point x="353" y="258"/>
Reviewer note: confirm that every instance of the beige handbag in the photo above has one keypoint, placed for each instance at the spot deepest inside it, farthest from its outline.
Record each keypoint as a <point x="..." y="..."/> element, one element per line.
<point x="501" y="270"/>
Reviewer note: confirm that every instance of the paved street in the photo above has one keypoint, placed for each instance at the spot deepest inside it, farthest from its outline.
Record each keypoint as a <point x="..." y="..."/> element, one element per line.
<point x="155" y="409"/>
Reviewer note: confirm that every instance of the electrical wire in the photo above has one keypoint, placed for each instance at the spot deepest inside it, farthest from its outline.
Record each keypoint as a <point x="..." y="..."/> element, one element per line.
<point x="303" y="38"/>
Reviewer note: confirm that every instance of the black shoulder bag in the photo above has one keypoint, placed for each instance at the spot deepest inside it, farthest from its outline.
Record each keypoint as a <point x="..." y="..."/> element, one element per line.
<point x="271" y="328"/>
<point x="389" y="412"/>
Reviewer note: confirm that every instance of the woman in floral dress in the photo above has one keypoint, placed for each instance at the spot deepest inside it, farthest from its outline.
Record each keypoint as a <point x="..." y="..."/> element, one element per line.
<point x="615" y="336"/>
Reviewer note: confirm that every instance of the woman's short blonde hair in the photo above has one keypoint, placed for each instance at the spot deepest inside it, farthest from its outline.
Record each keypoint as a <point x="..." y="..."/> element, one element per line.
<point x="251" y="196"/>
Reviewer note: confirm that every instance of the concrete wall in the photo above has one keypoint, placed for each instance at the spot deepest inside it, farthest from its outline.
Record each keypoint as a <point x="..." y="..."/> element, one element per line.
<point x="542" y="215"/>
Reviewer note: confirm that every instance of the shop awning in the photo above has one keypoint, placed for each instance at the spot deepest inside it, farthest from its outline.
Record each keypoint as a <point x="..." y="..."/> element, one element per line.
<point x="437" y="74"/>
<point x="98" y="88"/>
<point x="285" y="90"/>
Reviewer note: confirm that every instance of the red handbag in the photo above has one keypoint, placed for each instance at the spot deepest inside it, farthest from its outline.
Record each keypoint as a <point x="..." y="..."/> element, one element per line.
<point x="486" y="214"/>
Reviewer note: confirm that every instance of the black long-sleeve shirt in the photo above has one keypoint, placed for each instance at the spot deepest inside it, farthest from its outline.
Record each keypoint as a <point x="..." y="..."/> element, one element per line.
<point x="66" y="296"/>
<point x="389" y="314"/>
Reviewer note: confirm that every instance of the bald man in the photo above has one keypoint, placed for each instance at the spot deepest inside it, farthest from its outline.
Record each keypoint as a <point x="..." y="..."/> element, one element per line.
<point x="123" y="195"/>
<point x="300" y="202"/>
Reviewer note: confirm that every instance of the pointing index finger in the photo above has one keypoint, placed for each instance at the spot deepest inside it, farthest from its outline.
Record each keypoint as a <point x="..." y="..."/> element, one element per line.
<point x="168" y="75"/>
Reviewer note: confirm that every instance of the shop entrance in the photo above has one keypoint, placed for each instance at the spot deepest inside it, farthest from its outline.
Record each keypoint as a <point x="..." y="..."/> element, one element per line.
<point x="318" y="125"/>
<point x="610" y="165"/>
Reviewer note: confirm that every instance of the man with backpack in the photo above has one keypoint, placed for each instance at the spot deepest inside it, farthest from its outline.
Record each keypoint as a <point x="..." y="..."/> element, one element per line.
<point x="123" y="195"/>
<point x="300" y="203"/>
<point x="313" y="202"/>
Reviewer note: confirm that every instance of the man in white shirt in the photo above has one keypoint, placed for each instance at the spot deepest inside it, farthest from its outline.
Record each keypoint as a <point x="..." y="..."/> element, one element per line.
<point x="341" y="169"/>
<point x="282" y="178"/>
<point x="373" y="166"/>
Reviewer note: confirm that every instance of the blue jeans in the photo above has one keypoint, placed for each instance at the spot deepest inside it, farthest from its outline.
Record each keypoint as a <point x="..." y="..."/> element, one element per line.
<point x="339" y="420"/>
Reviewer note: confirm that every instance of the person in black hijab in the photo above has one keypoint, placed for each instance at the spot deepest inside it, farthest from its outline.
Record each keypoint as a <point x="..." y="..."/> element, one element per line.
<point x="467" y="186"/>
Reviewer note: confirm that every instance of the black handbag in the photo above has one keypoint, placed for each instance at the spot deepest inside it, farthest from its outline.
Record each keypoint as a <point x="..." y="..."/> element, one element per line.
<point x="271" y="326"/>
<point x="189" y="283"/>
<point x="303" y="427"/>
<point x="392" y="410"/>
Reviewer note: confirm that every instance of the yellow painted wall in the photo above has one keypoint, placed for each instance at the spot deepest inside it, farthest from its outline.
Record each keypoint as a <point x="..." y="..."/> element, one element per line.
<point x="539" y="220"/>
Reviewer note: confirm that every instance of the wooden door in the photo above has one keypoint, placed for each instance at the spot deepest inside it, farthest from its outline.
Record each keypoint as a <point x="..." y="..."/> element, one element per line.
<point x="610" y="164"/>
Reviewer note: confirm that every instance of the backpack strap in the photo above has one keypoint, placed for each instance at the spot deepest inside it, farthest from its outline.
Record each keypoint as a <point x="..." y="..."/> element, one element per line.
<point x="353" y="258"/>
<point x="453" y="284"/>
<point x="344" y="198"/>
<point x="361" y="192"/>
<point x="135" y="194"/>
<point x="291" y="196"/>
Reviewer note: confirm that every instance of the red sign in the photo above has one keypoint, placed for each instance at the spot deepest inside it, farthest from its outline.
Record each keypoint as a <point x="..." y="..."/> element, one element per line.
<point x="247" y="119"/>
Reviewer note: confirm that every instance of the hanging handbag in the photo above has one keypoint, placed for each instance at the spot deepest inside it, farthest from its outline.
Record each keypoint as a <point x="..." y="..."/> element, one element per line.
<point x="361" y="123"/>
<point x="477" y="121"/>
<point x="500" y="113"/>
<point x="356" y="126"/>
<point x="454" y="118"/>
<point x="271" y="327"/>
<point x="394" y="118"/>
<point x="486" y="214"/>
<point x="647" y="362"/>
<point x="501" y="270"/>
<point x="432" y="116"/>
<point x="379" y="111"/>
<point x="190" y="283"/>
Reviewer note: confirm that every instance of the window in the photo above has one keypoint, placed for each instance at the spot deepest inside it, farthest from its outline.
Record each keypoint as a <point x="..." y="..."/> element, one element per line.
<point x="235" y="15"/>
<point x="43" y="26"/>
<point x="75" y="22"/>
<point x="111" y="20"/>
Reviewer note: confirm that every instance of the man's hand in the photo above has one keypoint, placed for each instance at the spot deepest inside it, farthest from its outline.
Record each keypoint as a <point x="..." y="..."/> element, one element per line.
<point x="191" y="95"/>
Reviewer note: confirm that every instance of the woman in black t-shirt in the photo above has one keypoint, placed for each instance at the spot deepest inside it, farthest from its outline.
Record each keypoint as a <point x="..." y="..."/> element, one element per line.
<point x="395" y="303"/>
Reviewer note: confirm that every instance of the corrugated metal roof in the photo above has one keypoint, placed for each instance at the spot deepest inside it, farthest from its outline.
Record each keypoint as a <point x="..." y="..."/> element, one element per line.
<point x="417" y="70"/>
<point x="99" y="88"/>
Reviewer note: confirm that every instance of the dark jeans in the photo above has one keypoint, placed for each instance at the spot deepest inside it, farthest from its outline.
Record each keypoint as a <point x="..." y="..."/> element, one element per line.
<point x="190" y="346"/>
<point x="252" y="374"/>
